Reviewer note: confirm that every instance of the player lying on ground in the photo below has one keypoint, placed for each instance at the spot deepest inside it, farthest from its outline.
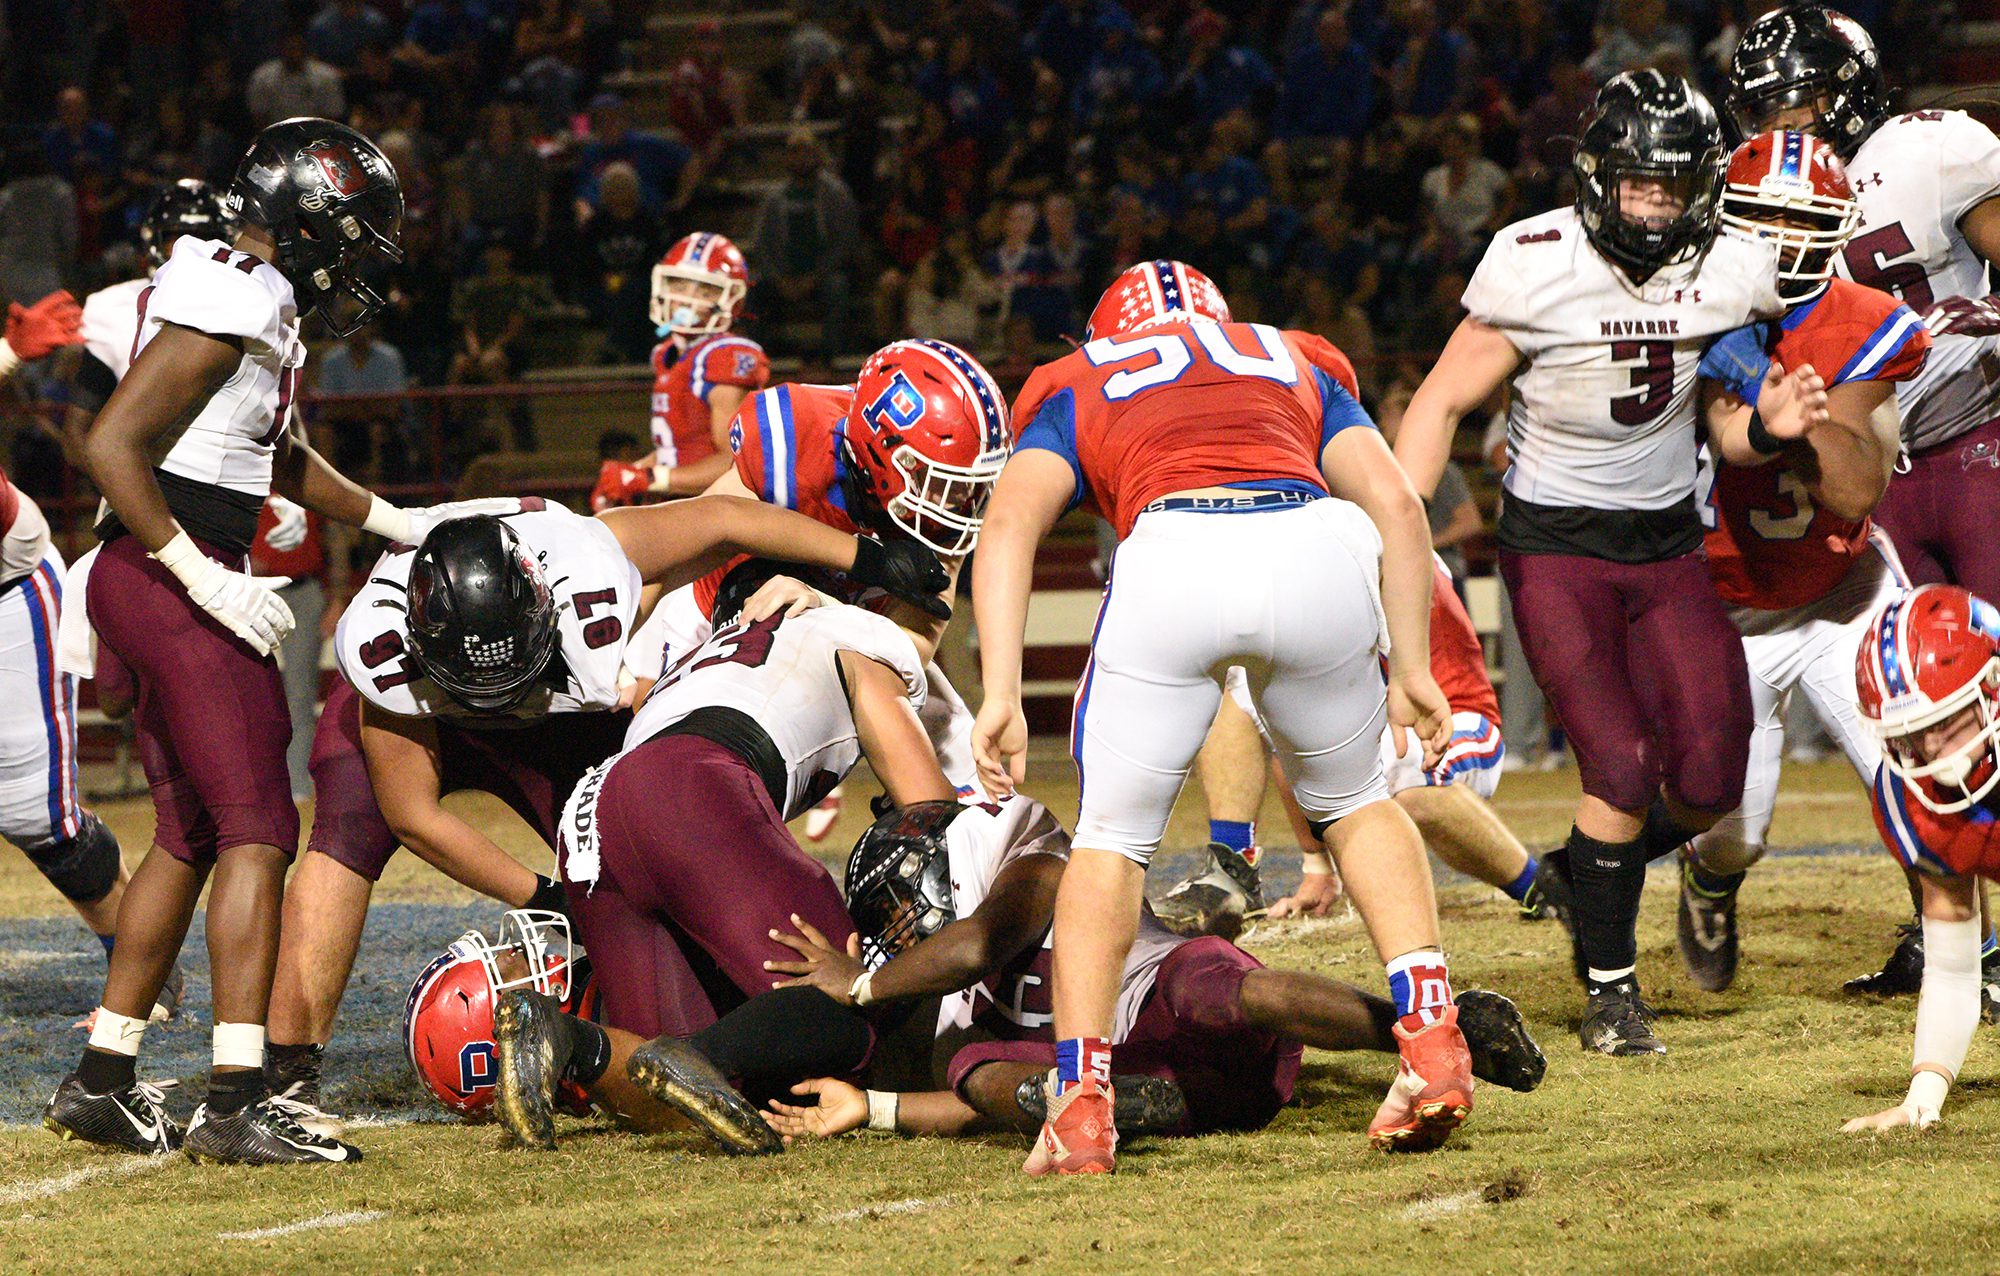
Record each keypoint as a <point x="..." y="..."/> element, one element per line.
<point x="488" y="658"/>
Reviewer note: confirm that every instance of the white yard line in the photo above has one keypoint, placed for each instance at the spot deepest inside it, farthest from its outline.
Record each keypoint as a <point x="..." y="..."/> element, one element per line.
<point x="57" y="1184"/>
<point x="319" y="1222"/>
<point x="909" y="1205"/>
<point x="1432" y="1208"/>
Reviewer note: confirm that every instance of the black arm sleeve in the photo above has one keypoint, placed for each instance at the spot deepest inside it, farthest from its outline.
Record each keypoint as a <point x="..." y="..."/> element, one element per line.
<point x="93" y="384"/>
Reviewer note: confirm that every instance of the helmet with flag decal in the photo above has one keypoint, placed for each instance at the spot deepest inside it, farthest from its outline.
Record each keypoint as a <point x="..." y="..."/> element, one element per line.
<point x="926" y="439"/>
<point x="1792" y="188"/>
<point x="1928" y="674"/>
<point x="448" y="1019"/>
<point x="698" y="286"/>
<point x="1155" y="292"/>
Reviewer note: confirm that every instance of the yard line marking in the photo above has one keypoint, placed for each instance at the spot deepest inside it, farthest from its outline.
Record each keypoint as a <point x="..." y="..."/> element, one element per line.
<point x="908" y="1205"/>
<point x="1436" y="1207"/>
<point x="348" y="1218"/>
<point x="56" y="1185"/>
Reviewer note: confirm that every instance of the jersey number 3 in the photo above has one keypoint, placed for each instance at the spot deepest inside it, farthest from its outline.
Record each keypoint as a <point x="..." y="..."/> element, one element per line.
<point x="1653" y="381"/>
<point x="1173" y="354"/>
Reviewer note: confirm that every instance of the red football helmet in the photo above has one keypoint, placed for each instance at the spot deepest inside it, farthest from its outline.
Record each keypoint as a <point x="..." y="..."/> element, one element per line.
<point x="448" y="1019"/>
<point x="926" y="439"/>
<point x="1155" y="292"/>
<point x="1928" y="657"/>
<point x="698" y="286"/>
<point x="1791" y="187"/>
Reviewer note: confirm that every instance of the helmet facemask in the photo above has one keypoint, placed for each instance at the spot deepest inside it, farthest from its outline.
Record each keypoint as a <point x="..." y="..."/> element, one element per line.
<point x="1808" y="228"/>
<point x="342" y="265"/>
<point x="1962" y="776"/>
<point x="534" y="951"/>
<point x="906" y="901"/>
<point x="943" y="505"/>
<point x="1646" y="215"/>
<point x="688" y="302"/>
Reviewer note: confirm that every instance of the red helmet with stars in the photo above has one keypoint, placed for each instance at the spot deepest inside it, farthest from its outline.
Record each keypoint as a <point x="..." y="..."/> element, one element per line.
<point x="1155" y="292"/>
<point x="698" y="286"/>
<point x="1792" y="188"/>
<point x="1927" y="658"/>
<point x="448" y="1019"/>
<point x="926" y="439"/>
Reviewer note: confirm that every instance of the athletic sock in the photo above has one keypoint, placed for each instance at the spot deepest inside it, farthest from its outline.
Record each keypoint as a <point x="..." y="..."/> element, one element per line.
<point x="1079" y="1057"/>
<point x="230" y="1090"/>
<point x="1238" y="835"/>
<point x="1608" y="878"/>
<point x="1663" y="834"/>
<point x="1420" y="986"/>
<point x="103" y="1072"/>
<point x="779" y="1038"/>
<point x="1517" y="890"/>
<point x="591" y="1058"/>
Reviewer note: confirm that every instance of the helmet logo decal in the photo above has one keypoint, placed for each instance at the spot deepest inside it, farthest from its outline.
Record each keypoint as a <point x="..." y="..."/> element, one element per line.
<point x="899" y="404"/>
<point x="477" y="1069"/>
<point x="339" y="169"/>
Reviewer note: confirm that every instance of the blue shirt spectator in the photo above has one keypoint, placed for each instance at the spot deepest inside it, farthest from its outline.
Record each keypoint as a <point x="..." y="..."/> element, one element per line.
<point x="1431" y="74"/>
<point x="1230" y="183"/>
<point x="1122" y="73"/>
<point x="661" y="162"/>
<point x="1070" y="32"/>
<point x="1329" y="84"/>
<point x="1218" y="77"/>
<point x="443" y="27"/>
<point x="340" y="31"/>
<point x="967" y="92"/>
<point x="74" y="135"/>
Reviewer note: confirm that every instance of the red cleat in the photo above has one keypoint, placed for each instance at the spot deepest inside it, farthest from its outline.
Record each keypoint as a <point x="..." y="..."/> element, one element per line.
<point x="1432" y="1092"/>
<point x="1078" y="1137"/>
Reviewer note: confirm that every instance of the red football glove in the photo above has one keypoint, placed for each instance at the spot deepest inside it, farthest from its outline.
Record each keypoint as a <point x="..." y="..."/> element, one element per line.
<point x="1964" y="317"/>
<point x="34" y="331"/>
<point x="619" y="483"/>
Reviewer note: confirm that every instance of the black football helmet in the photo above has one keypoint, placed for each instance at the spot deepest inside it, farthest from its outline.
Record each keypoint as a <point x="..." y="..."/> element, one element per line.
<point x="333" y="205"/>
<point x="1650" y="126"/>
<point x="899" y="879"/>
<point x="482" y="619"/>
<point x="1807" y="55"/>
<point x="186" y="207"/>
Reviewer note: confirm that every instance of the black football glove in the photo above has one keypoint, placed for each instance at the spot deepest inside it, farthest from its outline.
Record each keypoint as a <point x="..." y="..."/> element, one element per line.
<point x="906" y="569"/>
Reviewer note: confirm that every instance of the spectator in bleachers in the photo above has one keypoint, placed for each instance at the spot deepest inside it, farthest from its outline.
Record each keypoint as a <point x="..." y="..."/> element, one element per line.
<point x="342" y="28"/>
<point x="966" y="89"/>
<point x="443" y="37"/>
<point x="501" y="186"/>
<point x="1638" y="34"/>
<point x="493" y="311"/>
<point x="1071" y="255"/>
<point x="1225" y="176"/>
<point x="418" y="320"/>
<point x="1324" y="309"/>
<point x="1328" y="91"/>
<point x="804" y="243"/>
<point x="38" y="231"/>
<point x="294" y="83"/>
<point x="1069" y="32"/>
<point x="1432" y="71"/>
<point x="379" y="85"/>
<point x="368" y="439"/>
<point x="850" y="92"/>
<point x="667" y="170"/>
<point x="1554" y="116"/>
<point x="1022" y="273"/>
<point x="75" y="133"/>
<point x="619" y="245"/>
<point x="1216" y="77"/>
<point x="1122" y="76"/>
<point x="1467" y="197"/>
<point x="1516" y="43"/>
<point x="948" y="295"/>
<point x="705" y="95"/>
<point x="1328" y="249"/>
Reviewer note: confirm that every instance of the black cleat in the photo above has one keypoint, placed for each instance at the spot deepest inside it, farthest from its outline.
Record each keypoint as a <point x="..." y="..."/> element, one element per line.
<point x="295" y="1083"/>
<point x="260" y="1133"/>
<point x="1502" y="1051"/>
<point x="1556" y="885"/>
<point x="1139" y="1104"/>
<point x="678" y="1075"/>
<point x="131" y="1120"/>
<point x="1900" y="976"/>
<point x="534" y="1043"/>
<point x="1215" y="901"/>
<point x="1548" y="895"/>
<point x="1706" y="928"/>
<point x="169" y="999"/>
<point x="1617" y="1022"/>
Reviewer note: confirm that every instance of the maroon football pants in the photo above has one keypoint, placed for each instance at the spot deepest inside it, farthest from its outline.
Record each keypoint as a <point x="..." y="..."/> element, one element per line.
<point x="1943" y="514"/>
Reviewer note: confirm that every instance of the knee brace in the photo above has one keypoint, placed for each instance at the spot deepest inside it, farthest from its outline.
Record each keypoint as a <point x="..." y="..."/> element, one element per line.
<point x="83" y="867"/>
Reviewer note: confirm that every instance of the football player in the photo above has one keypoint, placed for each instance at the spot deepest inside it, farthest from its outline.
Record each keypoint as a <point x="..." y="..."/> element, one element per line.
<point x="218" y="362"/>
<point x="1928" y="183"/>
<point x="489" y="658"/>
<point x="1928" y="674"/>
<point x="957" y="902"/>
<point x="1212" y="447"/>
<point x="1788" y="541"/>
<point x="1598" y="315"/>
<point x="702" y="370"/>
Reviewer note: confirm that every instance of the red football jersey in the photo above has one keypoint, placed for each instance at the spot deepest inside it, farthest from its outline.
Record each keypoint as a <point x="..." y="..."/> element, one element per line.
<point x="787" y="445"/>
<point x="1458" y="662"/>
<point x="681" y="385"/>
<point x="1188" y="405"/>
<point x="1769" y="546"/>
<point x="1965" y="842"/>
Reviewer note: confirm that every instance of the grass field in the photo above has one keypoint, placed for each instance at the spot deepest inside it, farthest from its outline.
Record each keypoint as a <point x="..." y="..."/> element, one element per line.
<point x="1724" y="1156"/>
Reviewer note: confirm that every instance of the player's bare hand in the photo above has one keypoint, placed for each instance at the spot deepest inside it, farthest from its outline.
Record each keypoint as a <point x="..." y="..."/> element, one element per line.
<point x="1316" y="896"/>
<point x="820" y="964"/>
<point x="1000" y="745"/>
<point x="1416" y="702"/>
<point x="782" y="594"/>
<point x="841" y="1108"/>
<point x="1901" y="1117"/>
<point x="1792" y="404"/>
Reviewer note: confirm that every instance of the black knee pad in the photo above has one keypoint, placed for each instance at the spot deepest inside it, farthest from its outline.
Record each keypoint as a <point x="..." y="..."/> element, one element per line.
<point x="83" y="867"/>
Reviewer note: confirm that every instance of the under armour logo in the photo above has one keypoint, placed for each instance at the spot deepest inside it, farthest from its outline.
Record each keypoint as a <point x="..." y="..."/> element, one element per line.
<point x="1863" y="183"/>
<point x="1691" y="295"/>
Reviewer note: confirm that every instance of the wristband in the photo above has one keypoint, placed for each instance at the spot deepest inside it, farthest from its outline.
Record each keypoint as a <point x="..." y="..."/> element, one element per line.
<point x="1316" y="863"/>
<point x="1928" y="1087"/>
<point x="182" y="557"/>
<point x="387" y="521"/>
<point x="861" y="992"/>
<point x="1761" y="441"/>
<point x="882" y="1105"/>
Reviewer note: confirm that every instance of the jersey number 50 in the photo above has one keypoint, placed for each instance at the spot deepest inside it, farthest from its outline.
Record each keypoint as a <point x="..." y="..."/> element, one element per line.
<point x="1173" y="354"/>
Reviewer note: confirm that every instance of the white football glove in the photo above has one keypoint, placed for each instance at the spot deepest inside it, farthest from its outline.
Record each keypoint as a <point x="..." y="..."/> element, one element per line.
<point x="247" y="605"/>
<point x="289" y="532"/>
<point x="409" y="527"/>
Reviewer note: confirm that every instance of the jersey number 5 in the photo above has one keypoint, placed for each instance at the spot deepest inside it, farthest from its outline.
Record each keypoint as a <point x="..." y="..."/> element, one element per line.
<point x="1653" y="380"/>
<point x="1173" y="354"/>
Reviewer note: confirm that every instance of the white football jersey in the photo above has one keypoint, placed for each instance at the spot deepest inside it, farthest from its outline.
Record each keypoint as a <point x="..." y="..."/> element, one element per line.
<point x="596" y="590"/>
<point x="111" y="324"/>
<point x="981" y="843"/>
<point x="785" y="674"/>
<point x="210" y="287"/>
<point x="1602" y="414"/>
<point x="1917" y="176"/>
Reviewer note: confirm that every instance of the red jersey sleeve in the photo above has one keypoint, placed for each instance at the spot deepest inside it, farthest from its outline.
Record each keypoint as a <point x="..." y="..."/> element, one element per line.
<point x="1042" y="383"/>
<point x="1324" y="355"/>
<point x="736" y="361"/>
<point x="10" y="504"/>
<point x="1859" y="334"/>
<point x="746" y="446"/>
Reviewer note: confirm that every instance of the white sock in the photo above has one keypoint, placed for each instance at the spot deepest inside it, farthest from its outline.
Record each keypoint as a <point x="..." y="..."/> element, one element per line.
<point x="1610" y="976"/>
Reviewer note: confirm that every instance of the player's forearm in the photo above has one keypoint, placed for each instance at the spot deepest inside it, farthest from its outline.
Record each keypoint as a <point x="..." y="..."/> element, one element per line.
<point x="1476" y="362"/>
<point x="463" y="854"/>
<point x="954" y="959"/>
<point x="299" y="473"/>
<point x="935" y="1112"/>
<point x="1407" y="575"/>
<point x="123" y="472"/>
<point x="1002" y="575"/>
<point x="1854" y="450"/>
<point x="692" y="479"/>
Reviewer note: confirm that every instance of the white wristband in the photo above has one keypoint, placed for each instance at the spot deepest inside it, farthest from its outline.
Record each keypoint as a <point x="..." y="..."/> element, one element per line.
<point x="862" y="991"/>
<point x="386" y="520"/>
<point x="183" y="558"/>
<point x="882" y="1105"/>
<point x="8" y="359"/>
<point x="1928" y="1088"/>
<point x="1316" y="862"/>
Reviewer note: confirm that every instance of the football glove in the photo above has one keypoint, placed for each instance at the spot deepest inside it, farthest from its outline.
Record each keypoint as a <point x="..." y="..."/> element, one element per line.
<point x="1964" y="317"/>
<point x="906" y="569"/>
<point x="619" y="483"/>
<point x="248" y="606"/>
<point x="289" y="532"/>
<point x="34" y="331"/>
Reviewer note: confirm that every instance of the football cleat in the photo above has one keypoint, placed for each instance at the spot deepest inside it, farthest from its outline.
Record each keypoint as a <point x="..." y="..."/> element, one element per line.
<point x="1140" y="1104"/>
<point x="295" y="1084"/>
<point x="820" y="820"/>
<point x="1902" y="974"/>
<point x="132" y="1120"/>
<point x="1617" y="1022"/>
<point x="1548" y="895"/>
<point x="678" y="1075"/>
<point x="1080" y="1133"/>
<point x="1215" y="901"/>
<point x="1502" y="1050"/>
<point x="1555" y="883"/>
<point x="1705" y="926"/>
<point x="260" y="1133"/>
<point x="168" y="1000"/>
<point x="532" y="1044"/>
<point x="1432" y="1093"/>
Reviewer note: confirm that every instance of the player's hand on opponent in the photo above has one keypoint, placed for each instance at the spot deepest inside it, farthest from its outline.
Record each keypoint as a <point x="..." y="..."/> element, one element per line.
<point x="33" y="332"/>
<point x="820" y="964"/>
<point x="1964" y="317"/>
<point x="289" y="532"/>
<point x="1792" y="404"/>
<point x="424" y="519"/>
<point x="1416" y="702"/>
<point x="1000" y="745"/>
<point x="782" y="594"/>
<point x="1905" y="1115"/>
<point x="841" y="1108"/>
<point x="905" y="568"/>
<point x="248" y="606"/>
